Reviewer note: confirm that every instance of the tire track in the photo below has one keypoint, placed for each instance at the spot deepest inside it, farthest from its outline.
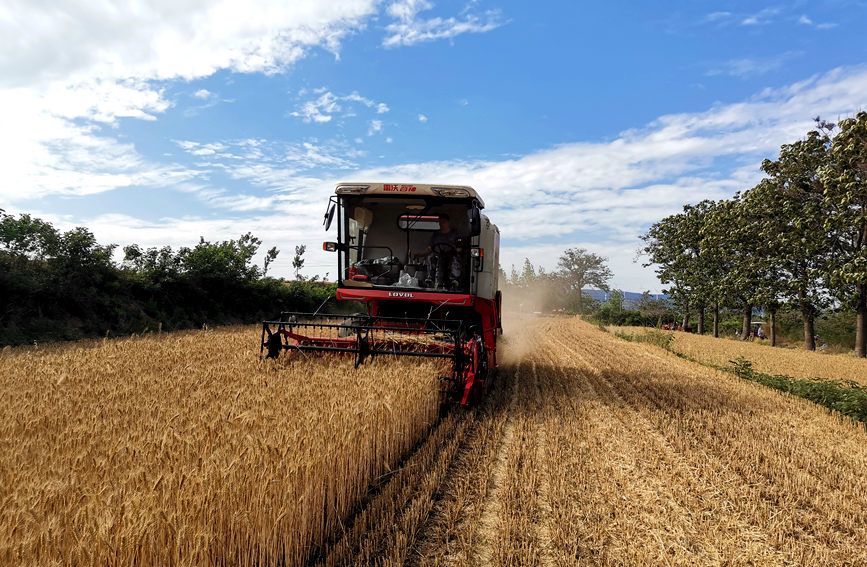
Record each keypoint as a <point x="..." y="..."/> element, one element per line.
<point x="491" y="518"/>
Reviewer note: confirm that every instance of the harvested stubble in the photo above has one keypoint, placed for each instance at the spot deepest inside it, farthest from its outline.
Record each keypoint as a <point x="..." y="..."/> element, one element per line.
<point x="655" y="460"/>
<point x="765" y="358"/>
<point x="186" y="449"/>
<point x="596" y="451"/>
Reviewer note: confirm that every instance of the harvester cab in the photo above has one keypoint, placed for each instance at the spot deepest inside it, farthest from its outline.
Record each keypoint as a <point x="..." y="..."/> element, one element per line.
<point x="425" y="262"/>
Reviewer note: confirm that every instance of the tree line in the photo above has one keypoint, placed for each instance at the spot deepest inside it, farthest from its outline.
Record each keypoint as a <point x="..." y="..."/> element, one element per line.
<point x="797" y="240"/>
<point x="535" y="289"/>
<point x="58" y="285"/>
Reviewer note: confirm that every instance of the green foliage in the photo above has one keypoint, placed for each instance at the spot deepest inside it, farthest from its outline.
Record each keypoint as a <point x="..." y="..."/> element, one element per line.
<point x="230" y="259"/>
<point x="845" y="182"/>
<point x="676" y="246"/>
<point x="298" y="260"/>
<point x="844" y="396"/>
<point x="580" y="268"/>
<point x="794" y="241"/>
<point x="654" y="337"/>
<point x="58" y="286"/>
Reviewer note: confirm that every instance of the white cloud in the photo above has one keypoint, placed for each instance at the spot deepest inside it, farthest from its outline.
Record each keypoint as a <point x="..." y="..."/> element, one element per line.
<point x="820" y="26"/>
<point x="409" y="29"/>
<point x="203" y="94"/>
<point x="422" y="118"/>
<point x="752" y="67"/>
<point x="717" y="16"/>
<point x="54" y="109"/>
<point x="323" y="108"/>
<point x="319" y="110"/>
<point x="375" y="127"/>
<point x="761" y="17"/>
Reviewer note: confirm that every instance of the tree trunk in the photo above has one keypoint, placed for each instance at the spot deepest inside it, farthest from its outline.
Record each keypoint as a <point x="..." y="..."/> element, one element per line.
<point x="685" y="315"/>
<point x="716" y="320"/>
<point x="807" y="316"/>
<point x="748" y="321"/>
<point x="809" y="330"/>
<point x="861" y="322"/>
<point x="700" y="329"/>
<point x="773" y="320"/>
<point x="580" y="303"/>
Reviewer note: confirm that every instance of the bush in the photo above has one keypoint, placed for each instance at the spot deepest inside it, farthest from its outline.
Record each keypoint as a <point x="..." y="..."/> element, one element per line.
<point x="61" y="286"/>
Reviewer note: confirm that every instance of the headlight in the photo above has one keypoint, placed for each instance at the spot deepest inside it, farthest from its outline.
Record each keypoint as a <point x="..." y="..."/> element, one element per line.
<point x="351" y="189"/>
<point x="450" y="192"/>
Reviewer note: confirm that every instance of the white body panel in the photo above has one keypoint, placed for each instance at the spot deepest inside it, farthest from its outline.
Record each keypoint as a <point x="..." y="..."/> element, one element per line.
<point x="487" y="278"/>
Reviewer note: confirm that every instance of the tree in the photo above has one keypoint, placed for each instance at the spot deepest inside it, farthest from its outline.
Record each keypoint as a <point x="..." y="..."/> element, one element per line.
<point x="270" y="256"/>
<point x="845" y="183"/>
<point x="156" y="265"/>
<point x="789" y="211"/>
<point x="298" y="260"/>
<point x="675" y="246"/>
<point x="614" y="301"/>
<point x="28" y="237"/>
<point x="528" y="274"/>
<point x="651" y="308"/>
<point x="580" y="268"/>
<point x="228" y="260"/>
<point x="729" y="244"/>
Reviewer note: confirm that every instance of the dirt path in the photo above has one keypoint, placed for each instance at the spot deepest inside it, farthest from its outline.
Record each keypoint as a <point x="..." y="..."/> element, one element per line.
<point x="596" y="451"/>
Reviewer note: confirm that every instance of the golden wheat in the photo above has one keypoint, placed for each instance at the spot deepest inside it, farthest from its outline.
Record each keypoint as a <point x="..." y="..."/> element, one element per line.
<point x="187" y="449"/>
<point x="772" y="360"/>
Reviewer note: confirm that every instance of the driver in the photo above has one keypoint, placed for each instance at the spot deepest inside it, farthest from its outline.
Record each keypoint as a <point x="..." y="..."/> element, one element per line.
<point x="442" y="254"/>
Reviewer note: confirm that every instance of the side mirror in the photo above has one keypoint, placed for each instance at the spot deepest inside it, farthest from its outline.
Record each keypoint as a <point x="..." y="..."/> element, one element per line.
<point x="474" y="221"/>
<point x="329" y="216"/>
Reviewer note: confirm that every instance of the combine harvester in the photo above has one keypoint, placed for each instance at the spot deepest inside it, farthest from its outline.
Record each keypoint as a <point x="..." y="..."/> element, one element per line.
<point x="425" y="261"/>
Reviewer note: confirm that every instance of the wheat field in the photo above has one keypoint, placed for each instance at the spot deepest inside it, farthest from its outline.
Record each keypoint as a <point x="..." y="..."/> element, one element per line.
<point x="589" y="450"/>
<point x="186" y="449"/>
<point x="765" y="358"/>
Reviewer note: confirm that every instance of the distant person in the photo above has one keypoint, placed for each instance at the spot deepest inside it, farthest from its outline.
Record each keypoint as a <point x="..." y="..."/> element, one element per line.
<point x="760" y="333"/>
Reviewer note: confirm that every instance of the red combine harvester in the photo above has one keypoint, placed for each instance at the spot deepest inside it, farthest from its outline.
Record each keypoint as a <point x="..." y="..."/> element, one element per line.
<point x="425" y="261"/>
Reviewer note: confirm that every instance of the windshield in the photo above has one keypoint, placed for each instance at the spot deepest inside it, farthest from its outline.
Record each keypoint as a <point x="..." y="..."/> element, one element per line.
<point x="404" y="242"/>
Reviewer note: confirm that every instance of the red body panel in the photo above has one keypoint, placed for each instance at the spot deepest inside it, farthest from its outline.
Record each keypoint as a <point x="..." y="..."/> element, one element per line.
<point x="364" y="294"/>
<point x="486" y="312"/>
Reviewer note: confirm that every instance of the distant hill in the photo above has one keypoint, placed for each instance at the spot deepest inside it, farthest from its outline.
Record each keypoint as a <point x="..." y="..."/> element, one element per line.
<point x="630" y="298"/>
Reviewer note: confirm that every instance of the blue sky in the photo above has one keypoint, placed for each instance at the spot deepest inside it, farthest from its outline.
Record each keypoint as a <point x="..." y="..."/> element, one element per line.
<point x="579" y="123"/>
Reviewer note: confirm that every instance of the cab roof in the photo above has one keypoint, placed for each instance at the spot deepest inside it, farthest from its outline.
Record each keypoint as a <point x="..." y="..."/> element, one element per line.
<point x="409" y="190"/>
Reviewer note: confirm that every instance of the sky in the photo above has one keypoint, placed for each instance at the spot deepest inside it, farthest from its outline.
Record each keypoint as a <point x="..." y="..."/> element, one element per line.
<point x="580" y="124"/>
